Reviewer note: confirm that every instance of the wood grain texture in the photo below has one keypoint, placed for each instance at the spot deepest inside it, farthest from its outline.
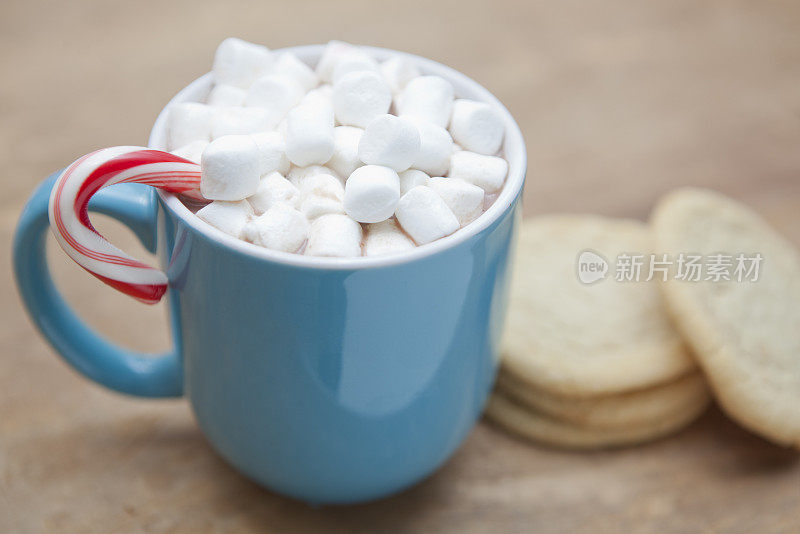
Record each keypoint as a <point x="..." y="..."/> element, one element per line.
<point x="619" y="101"/>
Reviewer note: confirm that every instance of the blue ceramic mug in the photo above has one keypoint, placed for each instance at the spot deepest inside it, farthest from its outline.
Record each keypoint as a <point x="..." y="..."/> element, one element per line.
<point x="332" y="380"/>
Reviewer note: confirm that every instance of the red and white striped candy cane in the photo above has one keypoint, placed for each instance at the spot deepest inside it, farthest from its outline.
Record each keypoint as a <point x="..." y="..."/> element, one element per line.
<point x="69" y="218"/>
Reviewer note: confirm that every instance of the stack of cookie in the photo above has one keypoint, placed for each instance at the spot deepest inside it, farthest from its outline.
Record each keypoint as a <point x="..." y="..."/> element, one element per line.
<point x="607" y="356"/>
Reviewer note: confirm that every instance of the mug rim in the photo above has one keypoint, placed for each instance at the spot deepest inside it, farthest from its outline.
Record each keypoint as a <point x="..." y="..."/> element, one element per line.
<point x="513" y="146"/>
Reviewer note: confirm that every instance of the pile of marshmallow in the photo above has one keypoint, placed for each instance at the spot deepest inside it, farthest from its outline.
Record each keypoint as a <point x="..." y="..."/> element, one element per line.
<point x="314" y="162"/>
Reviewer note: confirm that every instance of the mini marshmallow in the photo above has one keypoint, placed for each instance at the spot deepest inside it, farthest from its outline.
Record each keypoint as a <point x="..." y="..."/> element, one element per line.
<point x="272" y="152"/>
<point x="281" y="129"/>
<point x="277" y="94"/>
<point x="323" y="94"/>
<point x="281" y="227"/>
<point x="435" y="148"/>
<point x="192" y="151"/>
<point x="371" y="193"/>
<point x="477" y="126"/>
<point x="412" y="178"/>
<point x="226" y="95"/>
<point x="230" y="168"/>
<point x="321" y="194"/>
<point x="359" y="97"/>
<point x="240" y="63"/>
<point x="299" y="175"/>
<point x="464" y="199"/>
<point x="334" y="51"/>
<point x="236" y="120"/>
<point x="353" y="61"/>
<point x="230" y="217"/>
<point x="386" y="237"/>
<point x="315" y="206"/>
<point x="273" y="189"/>
<point x="425" y="216"/>
<point x="288" y="64"/>
<point x="427" y="97"/>
<point x="187" y="122"/>
<point x="389" y="141"/>
<point x="398" y="71"/>
<point x="309" y="133"/>
<point x="345" y="150"/>
<point x="487" y="172"/>
<point x="334" y="235"/>
<point x="322" y="185"/>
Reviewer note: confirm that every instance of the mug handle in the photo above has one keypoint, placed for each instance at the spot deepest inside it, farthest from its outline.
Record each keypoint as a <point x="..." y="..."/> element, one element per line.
<point x="112" y="366"/>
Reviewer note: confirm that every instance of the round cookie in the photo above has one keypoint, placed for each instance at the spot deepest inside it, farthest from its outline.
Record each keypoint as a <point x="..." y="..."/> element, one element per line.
<point x="538" y="427"/>
<point x="745" y="334"/>
<point x="626" y="410"/>
<point x="570" y="338"/>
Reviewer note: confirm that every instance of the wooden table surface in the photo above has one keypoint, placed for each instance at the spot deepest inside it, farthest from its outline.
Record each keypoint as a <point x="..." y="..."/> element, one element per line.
<point x="619" y="102"/>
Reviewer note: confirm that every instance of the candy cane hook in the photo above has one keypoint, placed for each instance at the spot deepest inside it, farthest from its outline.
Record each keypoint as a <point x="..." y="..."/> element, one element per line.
<point x="69" y="218"/>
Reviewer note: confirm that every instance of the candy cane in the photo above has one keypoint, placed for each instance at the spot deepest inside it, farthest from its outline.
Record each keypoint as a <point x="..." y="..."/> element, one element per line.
<point x="70" y="222"/>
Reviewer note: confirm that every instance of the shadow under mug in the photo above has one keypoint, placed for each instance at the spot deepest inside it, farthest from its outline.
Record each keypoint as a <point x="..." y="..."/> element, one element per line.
<point x="330" y="380"/>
